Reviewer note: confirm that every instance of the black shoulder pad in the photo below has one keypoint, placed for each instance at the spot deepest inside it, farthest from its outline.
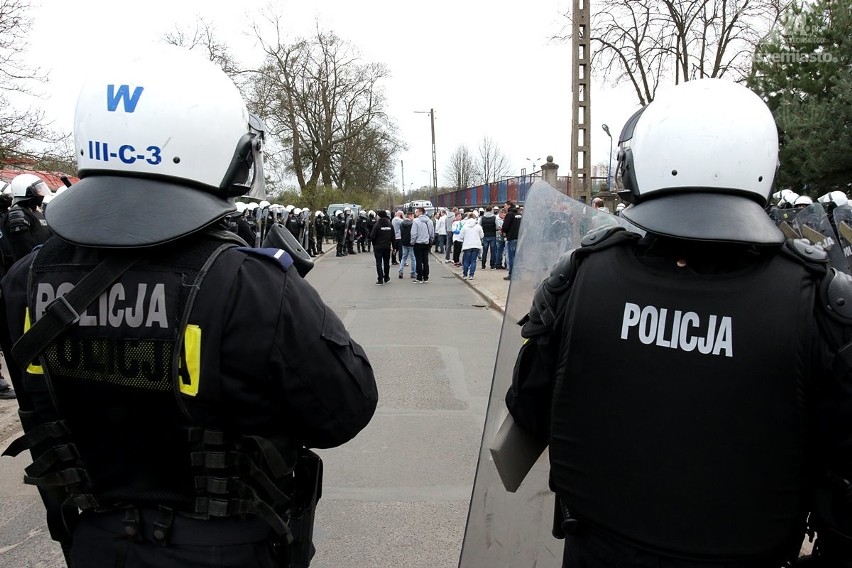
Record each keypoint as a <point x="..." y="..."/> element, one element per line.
<point x="804" y="251"/>
<point x="597" y="236"/>
<point x="543" y="311"/>
<point x="562" y="272"/>
<point x="838" y="295"/>
<point x="607" y="236"/>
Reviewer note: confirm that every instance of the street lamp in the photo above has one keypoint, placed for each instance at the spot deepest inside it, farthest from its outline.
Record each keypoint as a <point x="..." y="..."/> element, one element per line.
<point x="533" y="161"/>
<point x="609" y="169"/>
<point x="431" y="113"/>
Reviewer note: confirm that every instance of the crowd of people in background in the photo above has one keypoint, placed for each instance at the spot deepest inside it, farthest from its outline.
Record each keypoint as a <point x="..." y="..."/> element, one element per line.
<point x="466" y="238"/>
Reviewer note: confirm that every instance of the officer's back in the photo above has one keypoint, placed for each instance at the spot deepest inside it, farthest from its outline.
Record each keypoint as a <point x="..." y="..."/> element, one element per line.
<point x="692" y="442"/>
<point x="180" y="405"/>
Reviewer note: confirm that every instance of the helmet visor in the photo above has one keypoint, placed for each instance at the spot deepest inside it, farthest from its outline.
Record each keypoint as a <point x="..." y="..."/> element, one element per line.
<point x="38" y="189"/>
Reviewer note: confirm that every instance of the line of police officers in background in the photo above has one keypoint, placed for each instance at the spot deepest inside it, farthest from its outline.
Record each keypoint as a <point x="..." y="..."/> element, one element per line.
<point x="827" y="222"/>
<point x="350" y="231"/>
<point x="253" y="221"/>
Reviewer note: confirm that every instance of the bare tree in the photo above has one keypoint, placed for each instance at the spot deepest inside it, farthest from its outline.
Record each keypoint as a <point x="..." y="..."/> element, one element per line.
<point x="203" y="37"/>
<point x="648" y="42"/>
<point x="491" y="164"/>
<point x="21" y="129"/>
<point x="460" y="170"/>
<point x="323" y="103"/>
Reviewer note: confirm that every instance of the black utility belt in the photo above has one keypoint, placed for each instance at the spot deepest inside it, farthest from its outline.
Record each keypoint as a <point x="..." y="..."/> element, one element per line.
<point x="142" y="524"/>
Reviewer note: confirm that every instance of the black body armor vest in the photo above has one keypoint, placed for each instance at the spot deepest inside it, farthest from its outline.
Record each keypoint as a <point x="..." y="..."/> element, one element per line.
<point x="679" y="415"/>
<point x="124" y="380"/>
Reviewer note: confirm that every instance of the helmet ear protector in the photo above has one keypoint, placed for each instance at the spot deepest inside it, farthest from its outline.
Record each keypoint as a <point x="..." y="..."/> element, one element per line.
<point x="625" y="173"/>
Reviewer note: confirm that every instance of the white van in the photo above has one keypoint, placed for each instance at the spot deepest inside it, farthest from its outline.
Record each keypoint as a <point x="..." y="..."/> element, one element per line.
<point x="424" y="203"/>
<point x="340" y="207"/>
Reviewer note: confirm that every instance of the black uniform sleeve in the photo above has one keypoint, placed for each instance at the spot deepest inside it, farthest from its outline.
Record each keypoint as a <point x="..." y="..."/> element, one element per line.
<point x="537" y="365"/>
<point x="335" y="393"/>
<point x="528" y="399"/>
<point x="290" y="366"/>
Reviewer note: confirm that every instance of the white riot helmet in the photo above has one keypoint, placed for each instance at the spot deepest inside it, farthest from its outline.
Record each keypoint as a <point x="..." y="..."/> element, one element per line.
<point x="338" y="212"/>
<point x="782" y="196"/>
<point x="252" y="206"/>
<point x="166" y="126"/>
<point x="241" y="207"/>
<point x="26" y="187"/>
<point x="296" y="211"/>
<point x="318" y="213"/>
<point x="837" y="197"/>
<point x="803" y="201"/>
<point x="706" y="145"/>
<point x="289" y="208"/>
<point x="347" y="210"/>
<point x="788" y="199"/>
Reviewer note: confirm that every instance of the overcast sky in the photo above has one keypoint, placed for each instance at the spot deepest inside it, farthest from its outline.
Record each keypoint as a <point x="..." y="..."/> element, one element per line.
<point x="488" y="68"/>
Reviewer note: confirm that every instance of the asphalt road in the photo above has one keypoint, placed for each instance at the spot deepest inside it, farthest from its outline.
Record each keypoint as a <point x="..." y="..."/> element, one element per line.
<point x="397" y="495"/>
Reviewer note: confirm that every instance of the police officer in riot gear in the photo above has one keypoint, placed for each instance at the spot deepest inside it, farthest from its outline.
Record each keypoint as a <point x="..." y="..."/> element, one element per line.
<point x="293" y="223"/>
<point x="361" y="233"/>
<point x="319" y="230"/>
<point x="24" y="225"/>
<point x="165" y="396"/>
<point x="349" y="229"/>
<point x="340" y="233"/>
<point x="691" y="443"/>
<point x="371" y="222"/>
<point x="237" y="224"/>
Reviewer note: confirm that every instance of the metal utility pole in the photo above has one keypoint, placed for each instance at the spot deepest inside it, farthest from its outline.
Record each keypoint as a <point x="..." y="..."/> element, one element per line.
<point x="431" y="114"/>
<point x="402" y="175"/>
<point x="581" y="158"/>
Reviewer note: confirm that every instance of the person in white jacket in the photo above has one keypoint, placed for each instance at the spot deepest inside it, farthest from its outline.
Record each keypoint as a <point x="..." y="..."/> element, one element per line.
<point x="471" y="236"/>
<point x="458" y="223"/>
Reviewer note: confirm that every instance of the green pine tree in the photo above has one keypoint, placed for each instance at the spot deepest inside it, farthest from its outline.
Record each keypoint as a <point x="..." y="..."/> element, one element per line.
<point x="803" y="70"/>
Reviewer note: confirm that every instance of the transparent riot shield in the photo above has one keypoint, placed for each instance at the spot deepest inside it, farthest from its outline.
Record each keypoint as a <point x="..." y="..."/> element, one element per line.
<point x="842" y="217"/>
<point x="785" y="220"/>
<point x="813" y="224"/>
<point x="514" y="528"/>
